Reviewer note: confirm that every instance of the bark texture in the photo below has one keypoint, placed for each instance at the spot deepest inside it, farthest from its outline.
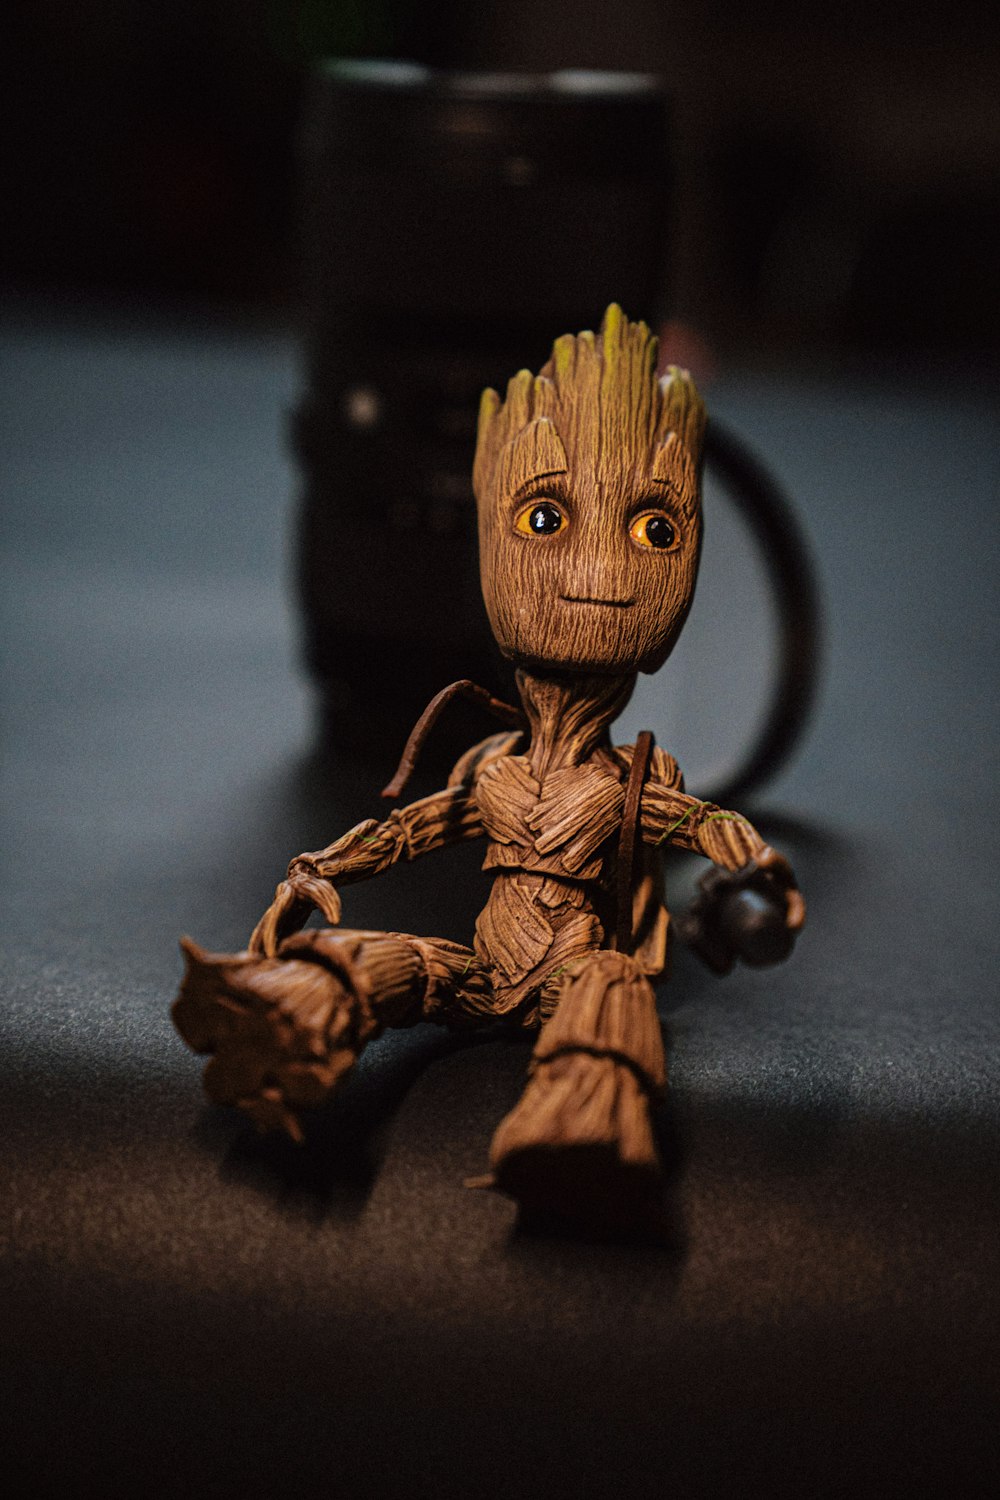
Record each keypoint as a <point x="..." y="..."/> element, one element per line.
<point x="587" y="486"/>
<point x="285" y="1030"/>
<point x="600" y="437"/>
<point x="580" y="1142"/>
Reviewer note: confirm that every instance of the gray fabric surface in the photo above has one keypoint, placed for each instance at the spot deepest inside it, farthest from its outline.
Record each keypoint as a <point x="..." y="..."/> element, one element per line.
<point x="188" y="1310"/>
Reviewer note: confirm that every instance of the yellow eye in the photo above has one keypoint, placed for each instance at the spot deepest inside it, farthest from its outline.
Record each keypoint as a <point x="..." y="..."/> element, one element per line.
<point x="541" y="518"/>
<point x="653" y="530"/>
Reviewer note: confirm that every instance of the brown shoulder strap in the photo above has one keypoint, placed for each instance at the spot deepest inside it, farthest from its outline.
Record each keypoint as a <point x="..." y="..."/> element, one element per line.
<point x="631" y="817"/>
<point x="422" y="728"/>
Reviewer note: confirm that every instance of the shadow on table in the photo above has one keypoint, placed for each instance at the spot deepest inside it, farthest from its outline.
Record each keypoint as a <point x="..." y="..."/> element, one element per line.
<point x="332" y="1173"/>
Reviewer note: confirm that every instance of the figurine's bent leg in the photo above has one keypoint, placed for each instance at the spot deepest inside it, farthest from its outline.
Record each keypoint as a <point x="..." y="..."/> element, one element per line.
<point x="283" y="1031"/>
<point x="579" y="1143"/>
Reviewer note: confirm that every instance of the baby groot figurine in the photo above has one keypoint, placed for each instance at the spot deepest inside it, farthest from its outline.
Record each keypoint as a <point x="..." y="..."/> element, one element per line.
<point x="587" y="485"/>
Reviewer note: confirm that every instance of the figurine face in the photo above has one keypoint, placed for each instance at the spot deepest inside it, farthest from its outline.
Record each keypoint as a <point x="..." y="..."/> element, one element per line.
<point x="589" y="516"/>
<point x="589" y="566"/>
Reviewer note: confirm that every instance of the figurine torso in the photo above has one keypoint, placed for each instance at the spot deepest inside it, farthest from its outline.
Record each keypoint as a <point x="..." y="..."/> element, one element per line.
<point x="557" y="825"/>
<point x="552" y="816"/>
<point x="543" y="907"/>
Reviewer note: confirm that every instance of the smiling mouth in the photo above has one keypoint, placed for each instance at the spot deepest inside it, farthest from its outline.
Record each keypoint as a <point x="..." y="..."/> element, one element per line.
<point x="608" y="603"/>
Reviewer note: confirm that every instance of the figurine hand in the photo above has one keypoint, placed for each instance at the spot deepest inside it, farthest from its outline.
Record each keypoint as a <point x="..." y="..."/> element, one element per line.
<point x="293" y="902"/>
<point x="754" y="914"/>
<point x="781" y="879"/>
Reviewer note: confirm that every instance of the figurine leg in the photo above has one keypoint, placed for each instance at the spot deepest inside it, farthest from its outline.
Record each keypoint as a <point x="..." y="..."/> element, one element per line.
<point x="579" y="1144"/>
<point x="283" y="1031"/>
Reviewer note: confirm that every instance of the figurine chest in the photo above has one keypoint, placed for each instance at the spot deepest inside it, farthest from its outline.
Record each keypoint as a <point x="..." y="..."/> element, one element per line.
<point x="558" y="825"/>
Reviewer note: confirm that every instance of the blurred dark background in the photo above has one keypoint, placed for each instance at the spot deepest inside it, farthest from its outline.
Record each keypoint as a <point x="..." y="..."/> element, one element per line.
<point x="836" y="167"/>
<point x="190" y="1311"/>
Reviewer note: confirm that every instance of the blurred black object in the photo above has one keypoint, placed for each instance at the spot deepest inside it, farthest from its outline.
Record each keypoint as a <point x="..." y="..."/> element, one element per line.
<point x="784" y="551"/>
<point x="738" y="914"/>
<point x="454" y="224"/>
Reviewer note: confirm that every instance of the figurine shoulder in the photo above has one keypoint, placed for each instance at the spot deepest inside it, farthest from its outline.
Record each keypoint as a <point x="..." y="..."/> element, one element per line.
<point x="468" y="769"/>
<point x="663" y="769"/>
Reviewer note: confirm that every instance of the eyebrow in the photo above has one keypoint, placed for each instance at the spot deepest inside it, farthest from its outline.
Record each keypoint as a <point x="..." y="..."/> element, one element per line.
<point x="674" y="469"/>
<point x="525" y="488"/>
<point x="668" y="490"/>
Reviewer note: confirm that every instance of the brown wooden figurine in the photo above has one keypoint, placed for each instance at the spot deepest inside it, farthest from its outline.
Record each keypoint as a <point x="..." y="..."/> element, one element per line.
<point x="587" y="484"/>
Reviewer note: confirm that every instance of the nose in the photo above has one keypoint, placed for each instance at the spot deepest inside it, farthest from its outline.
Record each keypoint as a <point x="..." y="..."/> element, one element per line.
<point x="598" y="562"/>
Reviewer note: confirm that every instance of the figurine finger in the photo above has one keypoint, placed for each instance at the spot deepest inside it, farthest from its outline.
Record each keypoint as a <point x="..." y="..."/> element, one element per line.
<point x="272" y="926"/>
<point x="261" y="943"/>
<point x="795" y="909"/>
<point x="256" y="942"/>
<point x="323" y="896"/>
<point x="775" y="864"/>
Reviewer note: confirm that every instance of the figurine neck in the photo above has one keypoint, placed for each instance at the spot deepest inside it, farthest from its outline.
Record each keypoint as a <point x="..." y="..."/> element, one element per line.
<point x="569" y="716"/>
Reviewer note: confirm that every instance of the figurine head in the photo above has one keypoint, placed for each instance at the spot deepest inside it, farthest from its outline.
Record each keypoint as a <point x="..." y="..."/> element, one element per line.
<point x="587" y="485"/>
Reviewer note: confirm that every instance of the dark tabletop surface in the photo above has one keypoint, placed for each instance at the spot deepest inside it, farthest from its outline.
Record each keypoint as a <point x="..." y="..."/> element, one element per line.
<point x="189" y="1310"/>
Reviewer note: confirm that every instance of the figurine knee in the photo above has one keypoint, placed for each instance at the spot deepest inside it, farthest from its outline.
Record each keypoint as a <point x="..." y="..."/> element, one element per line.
<point x="607" y="1007"/>
<point x="398" y="978"/>
<point x="379" y="975"/>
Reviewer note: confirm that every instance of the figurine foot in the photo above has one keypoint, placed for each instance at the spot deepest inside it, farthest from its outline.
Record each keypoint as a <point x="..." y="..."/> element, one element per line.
<point x="580" y="1142"/>
<point x="282" y="1032"/>
<point x="579" y="1146"/>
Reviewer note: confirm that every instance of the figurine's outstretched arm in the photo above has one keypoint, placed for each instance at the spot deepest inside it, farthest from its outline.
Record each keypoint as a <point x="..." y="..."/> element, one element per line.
<point x="750" y="906"/>
<point x="446" y="817"/>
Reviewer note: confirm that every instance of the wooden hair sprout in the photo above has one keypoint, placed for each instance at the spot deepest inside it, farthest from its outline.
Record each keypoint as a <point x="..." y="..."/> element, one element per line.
<point x="588" y="492"/>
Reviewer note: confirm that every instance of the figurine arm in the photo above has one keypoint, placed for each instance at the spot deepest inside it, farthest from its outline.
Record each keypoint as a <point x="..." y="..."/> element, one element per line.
<point x="446" y="817"/>
<point x="670" y="816"/>
<point x="750" y="906"/>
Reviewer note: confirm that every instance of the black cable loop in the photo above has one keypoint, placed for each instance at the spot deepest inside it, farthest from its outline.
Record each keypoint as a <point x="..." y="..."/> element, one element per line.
<point x="775" y="527"/>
